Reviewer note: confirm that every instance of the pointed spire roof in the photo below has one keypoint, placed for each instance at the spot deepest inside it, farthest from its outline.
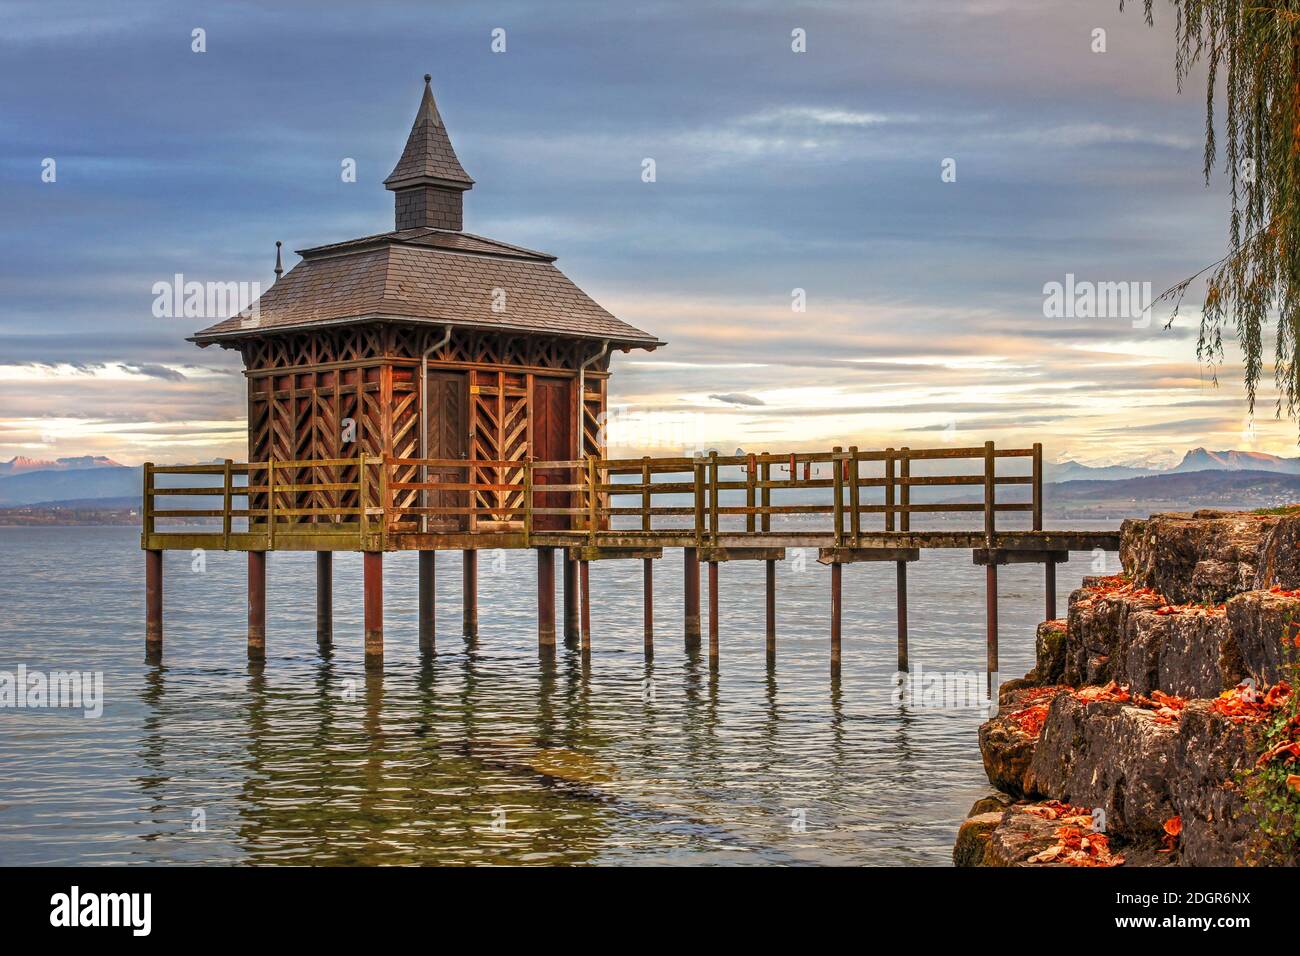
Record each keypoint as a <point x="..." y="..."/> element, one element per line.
<point x="428" y="158"/>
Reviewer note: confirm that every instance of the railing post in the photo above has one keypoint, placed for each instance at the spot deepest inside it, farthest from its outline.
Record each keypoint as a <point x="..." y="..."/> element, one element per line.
<point x="593" y="501"/>
<point x="146" y="503"/>
<point x="713" y="497"/>
<point x="855" y="527"/>
<point x="384" y="504"/>
<point x="751" y="477"/>
<point x="270" y="505"/>
<point x="1038" y="487"/>
<point x="363" y="495"/>
<point x="990" y="530"/>
<point x="766" y="495"/>
<point x="646" y="503"/>
<point x="837" y="480"/>
<point x="889" y="489"/>
<point x="904" y="489"/>
<point x="227" y="493"/>
<point x="699" y="502"/>
<point x="528" y="506"/>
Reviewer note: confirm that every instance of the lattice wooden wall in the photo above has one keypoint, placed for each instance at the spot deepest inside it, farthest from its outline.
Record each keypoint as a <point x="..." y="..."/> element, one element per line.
<point x="304" y="387"/>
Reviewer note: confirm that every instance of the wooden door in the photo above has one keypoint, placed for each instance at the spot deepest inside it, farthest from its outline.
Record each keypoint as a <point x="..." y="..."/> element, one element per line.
<point x="447" y="399"/>
<point x="553" y="415"/>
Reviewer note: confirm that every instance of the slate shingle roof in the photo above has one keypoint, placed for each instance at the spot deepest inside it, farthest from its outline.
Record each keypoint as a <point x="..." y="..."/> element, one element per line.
<point x="424" y="275"/>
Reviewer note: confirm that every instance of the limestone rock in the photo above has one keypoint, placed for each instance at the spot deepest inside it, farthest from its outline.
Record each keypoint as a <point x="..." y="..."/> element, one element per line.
<point x="1278" y="564"/>
<point x="973" y="838"/>
<point x="1202" y="557"/>
<point x="1181" y="653"/>
<point x="1209" y="753"/>
<point x="1260" y="623"/>
<point x="1109" y="755"/>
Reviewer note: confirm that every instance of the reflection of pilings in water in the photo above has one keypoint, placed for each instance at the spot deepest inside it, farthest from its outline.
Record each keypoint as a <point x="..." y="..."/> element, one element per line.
<point x="376" y="743"/>
<point x="153" y="747"/>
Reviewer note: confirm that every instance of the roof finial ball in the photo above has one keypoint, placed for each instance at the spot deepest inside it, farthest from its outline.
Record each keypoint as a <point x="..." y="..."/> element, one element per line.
<point x="428" y="78"/>
<point x="279" y="268"/>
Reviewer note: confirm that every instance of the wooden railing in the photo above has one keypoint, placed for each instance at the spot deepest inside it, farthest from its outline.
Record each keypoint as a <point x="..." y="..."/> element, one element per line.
<point x="375" y="498"/>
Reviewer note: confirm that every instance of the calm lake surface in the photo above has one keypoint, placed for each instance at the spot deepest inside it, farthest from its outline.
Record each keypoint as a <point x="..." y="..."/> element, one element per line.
<point x="484" y="753"/>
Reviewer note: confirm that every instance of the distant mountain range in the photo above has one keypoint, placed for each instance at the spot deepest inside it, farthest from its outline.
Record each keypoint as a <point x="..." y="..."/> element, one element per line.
<point x="1198" y="459"/>
<point x="21" y="463"/>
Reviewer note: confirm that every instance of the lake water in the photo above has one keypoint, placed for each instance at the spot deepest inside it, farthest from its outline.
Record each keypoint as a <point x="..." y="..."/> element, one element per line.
<point x="485" y="753"/>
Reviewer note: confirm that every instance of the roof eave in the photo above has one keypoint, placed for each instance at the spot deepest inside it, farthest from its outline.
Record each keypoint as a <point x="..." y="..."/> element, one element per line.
<point x="202" y="339"/>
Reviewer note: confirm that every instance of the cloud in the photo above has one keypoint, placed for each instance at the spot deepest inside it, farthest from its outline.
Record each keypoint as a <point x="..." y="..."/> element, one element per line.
<point x="737" y="398"/>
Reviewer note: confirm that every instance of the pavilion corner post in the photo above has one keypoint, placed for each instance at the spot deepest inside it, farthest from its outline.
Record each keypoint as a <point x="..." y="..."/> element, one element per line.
<point x="469" y="592"/>
<point x="153" y="606"/>
<point x="428" y="601"/>
<point x="324" y="599"/>
<point x="257" y="606"/>
<point x="372" y="573"/>
<point x="546" y="598"/>
<point x="691" y="592"/>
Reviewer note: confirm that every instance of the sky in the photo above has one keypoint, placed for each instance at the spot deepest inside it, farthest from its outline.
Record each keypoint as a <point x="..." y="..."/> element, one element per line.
<point x="914" y="179"/>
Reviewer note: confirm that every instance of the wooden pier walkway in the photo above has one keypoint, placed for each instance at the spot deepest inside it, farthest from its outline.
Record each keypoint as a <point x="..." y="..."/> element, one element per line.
<point x="850" y="504"/>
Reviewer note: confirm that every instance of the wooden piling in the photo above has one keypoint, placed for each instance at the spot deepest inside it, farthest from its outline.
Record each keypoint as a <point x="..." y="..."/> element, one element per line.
<point x="372" y="573"/>
<point x="428" y="612"/>
<point x="902" y="615"/>
<point x="469" y="592"/>
<point x="648" y="602"/>
<point x="771" y="610"/>
<point x="572" y="625"/>
<point x="713" y="612"/>
<point x="1049" y="575"/>
<point x="257" y="605"/>
<point x="153" y="606"/>
<point x="546" y="598"/>
<point x="991" y="614"/>
<point x="691" y="592"/>
<point x="836" y="576"/>
<point x="324" y="598"/>
<point x="584" y="588"/>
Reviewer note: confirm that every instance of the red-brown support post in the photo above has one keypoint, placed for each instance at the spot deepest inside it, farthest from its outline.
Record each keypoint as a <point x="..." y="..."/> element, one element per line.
<point x="469" y="591"/>
<point x="257" y="605"/>
<point x="324" y="598"/>
<point x="153" y="603"/>
<point x="648" y="603"/>
<point x="546" y="598"/>
<point x="372" y="574"/>
<point x="771" y="610"/>
<point x="691" y="594"/>
<point x="1049" y="573"/>
<point x="837" y="570"/>
<point x="902" y="615"/>
<point x="713" y="612"/>
<point x="572" y="624"/>
<point x="428" y="611"/>
<point x="991" y="614"/>
<point x="584" y="587"/>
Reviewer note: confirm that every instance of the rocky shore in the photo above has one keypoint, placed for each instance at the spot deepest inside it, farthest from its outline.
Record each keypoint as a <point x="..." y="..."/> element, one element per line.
<point x="1158" y="726"/>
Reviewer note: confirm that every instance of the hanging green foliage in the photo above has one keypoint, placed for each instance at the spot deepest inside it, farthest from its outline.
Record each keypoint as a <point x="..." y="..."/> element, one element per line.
<point x="1253" y="47"/>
